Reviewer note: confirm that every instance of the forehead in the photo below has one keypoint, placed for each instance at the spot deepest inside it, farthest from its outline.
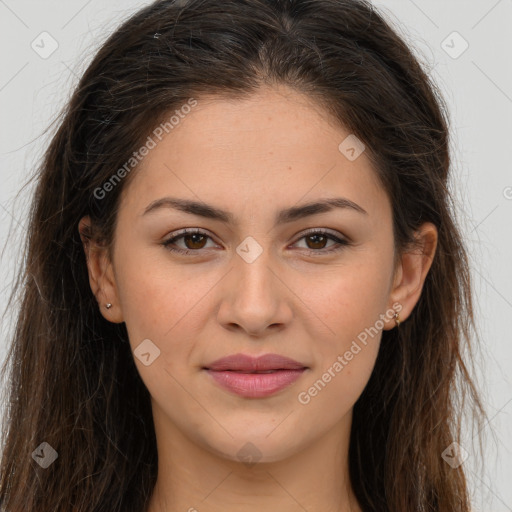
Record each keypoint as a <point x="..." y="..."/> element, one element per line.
<point x="275" y="146"/>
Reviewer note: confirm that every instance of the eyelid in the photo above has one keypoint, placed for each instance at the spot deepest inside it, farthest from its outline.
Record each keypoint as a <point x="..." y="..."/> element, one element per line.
<point x="188" y="231"/>
<point x="326" y="231"/>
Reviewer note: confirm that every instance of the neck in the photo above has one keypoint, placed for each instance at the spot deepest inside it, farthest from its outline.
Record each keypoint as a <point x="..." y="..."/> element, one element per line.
<point x="193" y="479"/>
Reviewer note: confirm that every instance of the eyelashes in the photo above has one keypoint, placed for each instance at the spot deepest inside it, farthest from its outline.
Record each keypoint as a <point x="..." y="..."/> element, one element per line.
<point x="198" y="236"/>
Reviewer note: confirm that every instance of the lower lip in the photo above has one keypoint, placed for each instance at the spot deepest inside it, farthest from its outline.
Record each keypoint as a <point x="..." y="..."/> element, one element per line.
<point x="255" y="385"/>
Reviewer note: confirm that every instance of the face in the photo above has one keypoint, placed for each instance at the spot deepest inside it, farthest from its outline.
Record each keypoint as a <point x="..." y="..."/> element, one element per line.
<point x="263" y="276"/>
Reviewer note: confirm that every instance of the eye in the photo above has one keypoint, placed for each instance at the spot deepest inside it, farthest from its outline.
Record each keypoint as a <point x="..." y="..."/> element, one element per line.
<point x="194" y="239"/>
<point x="315" y="239"/>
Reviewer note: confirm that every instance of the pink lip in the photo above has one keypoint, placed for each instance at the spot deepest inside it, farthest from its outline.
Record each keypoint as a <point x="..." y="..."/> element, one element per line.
<point x="236" y="373"/>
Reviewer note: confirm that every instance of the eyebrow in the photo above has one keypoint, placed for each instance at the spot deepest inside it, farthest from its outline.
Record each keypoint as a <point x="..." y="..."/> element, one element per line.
<point x="282" y="217"/>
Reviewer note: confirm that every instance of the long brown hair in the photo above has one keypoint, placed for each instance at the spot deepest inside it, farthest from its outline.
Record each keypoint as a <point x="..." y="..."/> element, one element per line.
<point x="72" y="380"/>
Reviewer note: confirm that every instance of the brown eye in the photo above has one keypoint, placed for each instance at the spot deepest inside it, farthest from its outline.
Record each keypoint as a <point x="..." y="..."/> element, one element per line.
<point x="316" y="240"/>
<point x="193" y="240"/>
<point x="197" y="241"/>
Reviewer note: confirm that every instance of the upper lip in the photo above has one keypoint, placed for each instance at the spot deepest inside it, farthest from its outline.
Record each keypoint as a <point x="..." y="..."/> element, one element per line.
<point x="243" y="362"/>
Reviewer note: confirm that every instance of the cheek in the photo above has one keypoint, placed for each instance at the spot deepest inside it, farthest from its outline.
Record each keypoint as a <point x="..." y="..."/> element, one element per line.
<point x="158" y="297"/>
<point x="346" y="351"/>
<point x="351" y="298"/>
<point x="163" y="304"/>
<point x="333" y="389"/>
<point x="349" y="303"/>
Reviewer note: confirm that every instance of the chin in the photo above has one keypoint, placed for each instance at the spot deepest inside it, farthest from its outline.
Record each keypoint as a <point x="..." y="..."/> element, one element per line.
<point x="250" y="448"/>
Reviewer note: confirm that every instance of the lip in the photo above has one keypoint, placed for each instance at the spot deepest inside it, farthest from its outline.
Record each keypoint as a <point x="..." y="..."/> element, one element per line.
<point x="236" y="373"/>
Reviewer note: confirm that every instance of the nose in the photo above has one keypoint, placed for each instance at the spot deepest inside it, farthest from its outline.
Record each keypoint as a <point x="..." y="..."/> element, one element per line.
<point x="254" y="297"/>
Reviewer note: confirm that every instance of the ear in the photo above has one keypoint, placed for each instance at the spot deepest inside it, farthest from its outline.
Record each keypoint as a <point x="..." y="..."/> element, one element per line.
<point x="412" y="270"/>
<point x="101" y="273"/>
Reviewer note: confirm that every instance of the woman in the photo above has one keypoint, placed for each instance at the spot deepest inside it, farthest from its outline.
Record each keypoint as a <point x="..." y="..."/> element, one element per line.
<point x="244" y="286"/>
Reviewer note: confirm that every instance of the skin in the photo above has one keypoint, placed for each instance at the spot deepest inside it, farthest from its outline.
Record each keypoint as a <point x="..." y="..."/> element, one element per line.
<point x="254" y="157"/>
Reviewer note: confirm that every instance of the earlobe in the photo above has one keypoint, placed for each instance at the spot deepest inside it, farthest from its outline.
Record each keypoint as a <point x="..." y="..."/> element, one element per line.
<point x="413" y="269"/>
<point x="101" y="275"/>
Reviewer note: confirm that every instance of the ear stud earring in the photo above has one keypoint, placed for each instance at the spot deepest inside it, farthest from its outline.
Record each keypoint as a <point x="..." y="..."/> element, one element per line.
<point x="108" y="306"/>
<point x="397" y="319"/>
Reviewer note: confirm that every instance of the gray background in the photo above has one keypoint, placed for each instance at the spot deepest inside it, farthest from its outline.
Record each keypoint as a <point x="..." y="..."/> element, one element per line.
<point x="477" y="85"/>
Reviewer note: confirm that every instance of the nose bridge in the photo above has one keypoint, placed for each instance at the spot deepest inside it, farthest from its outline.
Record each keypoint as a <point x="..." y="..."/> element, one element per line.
<point x="253" y="271"/>
<point x="255" y="296"/>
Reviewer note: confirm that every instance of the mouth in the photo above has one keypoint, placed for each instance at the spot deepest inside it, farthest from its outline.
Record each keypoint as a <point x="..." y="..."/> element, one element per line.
<point x="251" y="377"/>
<point x="244" y="371"/>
